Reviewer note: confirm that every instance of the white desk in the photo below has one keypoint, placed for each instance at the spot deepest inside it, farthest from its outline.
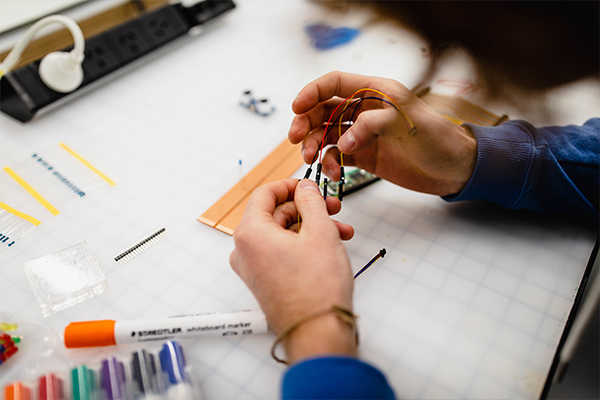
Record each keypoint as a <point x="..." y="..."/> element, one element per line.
<point x="470" y="301"/>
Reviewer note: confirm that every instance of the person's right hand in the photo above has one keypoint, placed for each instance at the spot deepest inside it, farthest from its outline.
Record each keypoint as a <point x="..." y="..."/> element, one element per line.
<point x="293" y="274"/>
<point x="439" y="159"/>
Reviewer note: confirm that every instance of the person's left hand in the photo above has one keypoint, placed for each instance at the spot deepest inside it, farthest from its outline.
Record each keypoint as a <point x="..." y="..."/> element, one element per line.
<point x="293" y="274"/>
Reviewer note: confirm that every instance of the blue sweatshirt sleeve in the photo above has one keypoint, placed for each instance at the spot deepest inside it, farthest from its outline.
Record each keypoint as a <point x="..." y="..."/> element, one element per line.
<point x="546" y="170"/>
<point x="334" y="378"/>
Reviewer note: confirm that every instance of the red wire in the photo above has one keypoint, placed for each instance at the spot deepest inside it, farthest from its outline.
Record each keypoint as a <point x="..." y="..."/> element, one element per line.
<point x="345" y="101"/>
<point x="328" y="121"/>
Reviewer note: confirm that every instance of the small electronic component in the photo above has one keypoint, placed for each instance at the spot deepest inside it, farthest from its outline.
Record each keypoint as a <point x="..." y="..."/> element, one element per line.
<point x="355" y="179"/>
<point x="8" y="346"/>
<point x="258" y="106"/>
<point x="381" y="254"/>
<point x="141" y="246"/>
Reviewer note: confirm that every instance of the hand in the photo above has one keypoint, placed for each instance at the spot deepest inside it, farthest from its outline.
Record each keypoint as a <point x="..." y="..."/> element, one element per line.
<point x="293" y="274"/>
<point x="439" y="159"/>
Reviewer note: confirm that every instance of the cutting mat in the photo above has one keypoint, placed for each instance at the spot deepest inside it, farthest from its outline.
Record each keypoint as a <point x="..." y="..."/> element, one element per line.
<point x="470" y="301"/>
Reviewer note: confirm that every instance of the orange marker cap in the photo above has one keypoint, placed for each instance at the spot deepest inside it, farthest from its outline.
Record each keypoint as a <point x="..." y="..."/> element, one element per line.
<point x="90" y="334"/>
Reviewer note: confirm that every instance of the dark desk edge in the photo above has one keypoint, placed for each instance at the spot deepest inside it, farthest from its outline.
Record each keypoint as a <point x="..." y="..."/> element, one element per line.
<point x="570" y="320"/>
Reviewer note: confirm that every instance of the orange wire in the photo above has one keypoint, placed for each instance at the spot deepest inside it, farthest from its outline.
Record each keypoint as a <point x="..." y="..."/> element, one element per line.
<point x="406" y="119"/>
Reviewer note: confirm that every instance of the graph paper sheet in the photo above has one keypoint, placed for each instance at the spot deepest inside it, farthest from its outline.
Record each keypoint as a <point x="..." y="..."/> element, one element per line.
<point x="470" y="301"/>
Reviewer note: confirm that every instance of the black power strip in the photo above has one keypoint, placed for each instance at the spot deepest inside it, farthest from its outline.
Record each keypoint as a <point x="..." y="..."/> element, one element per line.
<point x="22" y="92"/>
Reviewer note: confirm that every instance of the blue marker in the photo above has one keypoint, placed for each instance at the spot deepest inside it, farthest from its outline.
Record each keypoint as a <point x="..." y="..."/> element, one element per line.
<point x="172" y="362"/>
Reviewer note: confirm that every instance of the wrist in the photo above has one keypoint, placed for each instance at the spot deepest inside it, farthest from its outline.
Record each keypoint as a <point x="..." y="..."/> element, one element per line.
<point x="470" y="158"/>
<point x="465" y="161"/>
<point x="325" y="334"/>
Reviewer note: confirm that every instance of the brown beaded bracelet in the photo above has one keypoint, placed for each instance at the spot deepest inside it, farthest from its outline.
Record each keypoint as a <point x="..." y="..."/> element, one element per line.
<point x="342" y="313"/>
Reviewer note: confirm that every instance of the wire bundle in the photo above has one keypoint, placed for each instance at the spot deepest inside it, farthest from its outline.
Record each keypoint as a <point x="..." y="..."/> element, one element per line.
<point x="351" y="103"/>
<point x="348" y="103"/>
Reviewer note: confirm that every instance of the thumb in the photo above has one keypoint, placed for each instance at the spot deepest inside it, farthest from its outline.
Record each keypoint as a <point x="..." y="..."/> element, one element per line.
<point x="311" y="206"/>
<point x="369" y="126"/>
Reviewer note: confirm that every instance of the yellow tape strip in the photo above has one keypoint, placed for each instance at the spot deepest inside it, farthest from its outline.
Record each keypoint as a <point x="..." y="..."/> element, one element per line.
<point x="87" y="164"/>
<point x="32" y="191"/>
<point x="20" y="215"/>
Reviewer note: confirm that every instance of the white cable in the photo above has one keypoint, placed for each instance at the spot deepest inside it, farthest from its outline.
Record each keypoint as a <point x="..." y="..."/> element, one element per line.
<point x="63" y="66"/>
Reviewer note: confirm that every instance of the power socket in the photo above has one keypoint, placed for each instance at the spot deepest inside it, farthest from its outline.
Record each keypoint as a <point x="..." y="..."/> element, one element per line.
<point x="127" y="42"/>
<point x="99" y="59"/>
<point x="163" y="25"/>
<point x="23" y="94"/>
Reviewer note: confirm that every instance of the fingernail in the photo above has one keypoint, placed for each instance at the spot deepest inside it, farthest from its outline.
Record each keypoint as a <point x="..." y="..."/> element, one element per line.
<point x="348" y="143"/>
<point x="303" y="151"/>
<point x="308" y="184"/>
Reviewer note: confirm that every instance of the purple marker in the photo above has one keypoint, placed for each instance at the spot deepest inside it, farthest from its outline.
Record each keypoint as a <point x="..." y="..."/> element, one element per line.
<point x="112" y="379"/>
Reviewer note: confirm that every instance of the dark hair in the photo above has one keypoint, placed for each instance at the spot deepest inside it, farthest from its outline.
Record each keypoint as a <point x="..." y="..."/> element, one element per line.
<point x="531" y="45"/>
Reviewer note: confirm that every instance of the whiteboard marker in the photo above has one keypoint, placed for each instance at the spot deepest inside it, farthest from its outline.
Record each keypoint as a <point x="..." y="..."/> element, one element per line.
<point x="109" y="332"/>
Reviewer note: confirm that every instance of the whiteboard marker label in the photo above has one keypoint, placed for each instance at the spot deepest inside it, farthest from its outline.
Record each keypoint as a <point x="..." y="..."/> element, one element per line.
<point x="108" y="332"/>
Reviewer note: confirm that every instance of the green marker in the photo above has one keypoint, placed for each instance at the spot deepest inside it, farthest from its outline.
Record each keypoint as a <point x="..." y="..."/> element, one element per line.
<point x="84" y="383"/>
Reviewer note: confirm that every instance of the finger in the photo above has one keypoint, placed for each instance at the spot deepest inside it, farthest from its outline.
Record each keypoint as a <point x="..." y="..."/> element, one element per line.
<point x="369" y="126"/>
<point x="334" y="205"/>
<point x="286" y="214"/>
<point x="234" y="261"/>
<point x="328" y="112"/>
<point x="293" y="228"/>
<point x="312" y="144"/>
<point x="342" y="84"/>
<point x="333" y="84"/>
<point x="304" y="123"/>
<point x="265" y="199"/>
<point x="312" y="208"/>
<point x="331" y="163"/>
<point x="346" y="231"/>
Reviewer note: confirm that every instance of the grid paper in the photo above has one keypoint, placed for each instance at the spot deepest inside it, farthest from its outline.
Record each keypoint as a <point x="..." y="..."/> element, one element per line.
<point x="469" y="302"/>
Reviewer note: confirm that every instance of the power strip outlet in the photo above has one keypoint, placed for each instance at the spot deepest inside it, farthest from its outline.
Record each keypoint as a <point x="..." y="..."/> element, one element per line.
<point x="23" y="94"/>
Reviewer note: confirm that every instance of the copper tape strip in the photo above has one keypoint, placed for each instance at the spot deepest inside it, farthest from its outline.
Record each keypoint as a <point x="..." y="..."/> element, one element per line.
<point x="227" y="212"/>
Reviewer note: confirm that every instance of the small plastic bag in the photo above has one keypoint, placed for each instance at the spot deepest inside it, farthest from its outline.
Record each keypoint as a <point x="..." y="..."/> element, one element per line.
<point x="65" y="278"/>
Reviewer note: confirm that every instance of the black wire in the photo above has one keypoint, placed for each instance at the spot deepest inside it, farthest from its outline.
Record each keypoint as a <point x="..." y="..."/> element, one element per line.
<point x="331" y="125"/>
<point x="381" y="254"/>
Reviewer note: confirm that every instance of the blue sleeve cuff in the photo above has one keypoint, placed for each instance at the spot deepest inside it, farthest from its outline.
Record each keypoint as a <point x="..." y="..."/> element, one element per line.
<point x="546" y="170"/>
<point x="335" y="378"/>
<point x="504" y="157"/>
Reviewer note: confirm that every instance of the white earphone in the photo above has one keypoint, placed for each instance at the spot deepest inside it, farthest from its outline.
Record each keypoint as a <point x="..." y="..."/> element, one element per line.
<point x="60" y="71"/>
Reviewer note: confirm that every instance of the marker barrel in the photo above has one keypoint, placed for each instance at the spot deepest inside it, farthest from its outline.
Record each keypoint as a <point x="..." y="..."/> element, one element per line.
<point x="107" y="332"/>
